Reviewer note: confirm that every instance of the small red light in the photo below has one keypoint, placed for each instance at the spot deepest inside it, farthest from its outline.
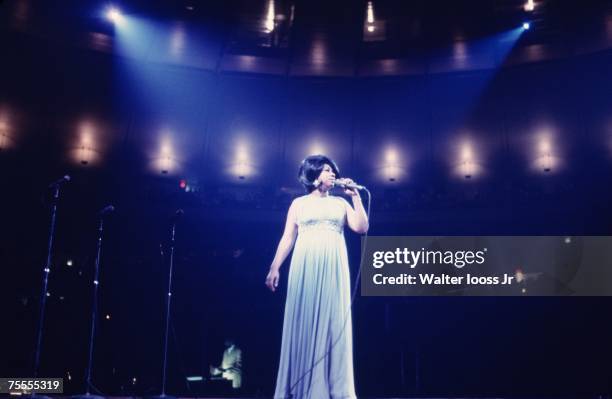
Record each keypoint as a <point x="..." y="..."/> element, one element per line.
<point x="183" y="184"/>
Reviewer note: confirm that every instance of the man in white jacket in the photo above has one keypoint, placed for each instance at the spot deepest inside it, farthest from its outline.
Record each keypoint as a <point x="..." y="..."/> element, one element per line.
<point x="231" y="364"/>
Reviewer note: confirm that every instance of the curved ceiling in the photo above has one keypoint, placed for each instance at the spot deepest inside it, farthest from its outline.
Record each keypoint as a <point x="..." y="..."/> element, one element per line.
<point x="318" y="38"/>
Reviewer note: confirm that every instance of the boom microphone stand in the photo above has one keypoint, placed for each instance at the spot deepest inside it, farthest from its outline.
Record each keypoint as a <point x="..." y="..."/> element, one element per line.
<point x="175" y="219"/>
<point x="94" y="311"/>
<point x="47" y="269"/>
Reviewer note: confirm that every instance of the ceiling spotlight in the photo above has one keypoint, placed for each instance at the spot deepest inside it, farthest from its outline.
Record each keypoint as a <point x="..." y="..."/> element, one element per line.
<point x="370" y="13"/>
<point x="526" y="25"/>
<point x="369" y="22"/>
<point x="269" y="22"/>
<point x="113" y="14"/>
<point x="529" y="6"/>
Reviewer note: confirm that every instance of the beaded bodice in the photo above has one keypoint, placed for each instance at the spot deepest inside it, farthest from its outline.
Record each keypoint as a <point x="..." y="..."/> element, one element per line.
<point x="321" y="214"/>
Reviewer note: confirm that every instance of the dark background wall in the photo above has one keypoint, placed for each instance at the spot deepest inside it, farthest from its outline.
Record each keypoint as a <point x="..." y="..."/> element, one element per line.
<point x="432" y="346"/>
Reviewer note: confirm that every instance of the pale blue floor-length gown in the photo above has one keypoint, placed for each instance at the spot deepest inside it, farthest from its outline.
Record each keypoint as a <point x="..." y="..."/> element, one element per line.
<point x="317" y="310"/>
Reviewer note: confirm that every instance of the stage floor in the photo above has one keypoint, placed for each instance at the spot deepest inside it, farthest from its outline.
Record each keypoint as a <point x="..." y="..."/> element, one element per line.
<point x="361" y="397"/>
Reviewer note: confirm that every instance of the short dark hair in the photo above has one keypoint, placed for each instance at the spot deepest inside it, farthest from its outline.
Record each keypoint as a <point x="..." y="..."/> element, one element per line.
<point x="311" y="169"/>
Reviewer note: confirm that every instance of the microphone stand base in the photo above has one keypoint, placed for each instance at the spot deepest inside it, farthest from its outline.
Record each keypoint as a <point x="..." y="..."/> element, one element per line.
<point x="162" y="396"/>
<point x="87" y="396"/>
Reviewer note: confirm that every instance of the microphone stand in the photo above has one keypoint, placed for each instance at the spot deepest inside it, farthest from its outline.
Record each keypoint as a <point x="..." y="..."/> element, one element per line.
<point x="47" y="269"/>
<point x="94" y="309"/>
<point x="177" y="215"/>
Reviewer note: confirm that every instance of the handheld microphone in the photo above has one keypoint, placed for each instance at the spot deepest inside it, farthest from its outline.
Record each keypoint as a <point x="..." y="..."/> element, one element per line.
<point x="58" y="182"/>
<point x="343" y="183"/>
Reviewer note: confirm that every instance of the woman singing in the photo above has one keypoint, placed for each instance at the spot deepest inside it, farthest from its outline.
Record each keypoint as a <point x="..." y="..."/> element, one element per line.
<point x="316" y="352"/>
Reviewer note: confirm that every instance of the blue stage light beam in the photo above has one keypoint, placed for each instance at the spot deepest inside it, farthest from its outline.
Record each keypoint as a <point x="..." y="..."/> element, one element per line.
<point x="167" y="100"/>
<point x="487" y="55"/>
